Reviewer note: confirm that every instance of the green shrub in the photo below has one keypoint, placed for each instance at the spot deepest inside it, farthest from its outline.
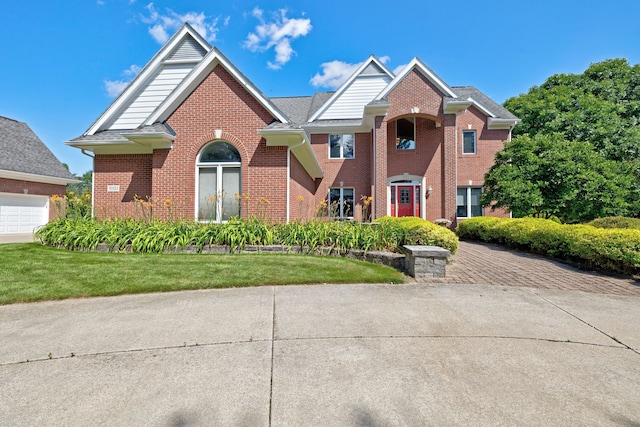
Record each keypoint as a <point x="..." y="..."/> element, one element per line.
<point x="616" y="250"/>
<point x="616" y="222"/>
<point x="417" y="231"/>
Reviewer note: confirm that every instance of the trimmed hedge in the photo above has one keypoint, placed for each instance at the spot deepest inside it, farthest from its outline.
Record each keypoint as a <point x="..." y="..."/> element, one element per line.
<point x="615" y="250"/>
<point x="417" y="231"/>
<point x="616" y="222"/>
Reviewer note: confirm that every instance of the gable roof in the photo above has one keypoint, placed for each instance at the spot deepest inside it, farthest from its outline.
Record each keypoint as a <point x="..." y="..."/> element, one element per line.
<point x="154" y="83"/>
<point x="197" y="75"/>
<point x="167" y="80"/>
<point x="357" y="91"/>
<point x="417" y="64"/>
<point x="25" y="156"/>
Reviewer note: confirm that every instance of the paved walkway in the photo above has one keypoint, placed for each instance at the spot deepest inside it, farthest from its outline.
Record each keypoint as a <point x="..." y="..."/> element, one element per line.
<point x="481" y="263"/>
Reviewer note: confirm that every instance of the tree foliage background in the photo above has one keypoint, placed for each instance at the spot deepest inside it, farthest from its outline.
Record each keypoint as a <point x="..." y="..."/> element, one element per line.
<point x="576" y="153"/>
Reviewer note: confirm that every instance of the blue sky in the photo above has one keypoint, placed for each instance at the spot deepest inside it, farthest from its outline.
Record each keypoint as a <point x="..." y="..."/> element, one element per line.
<point x="62" y="61"/>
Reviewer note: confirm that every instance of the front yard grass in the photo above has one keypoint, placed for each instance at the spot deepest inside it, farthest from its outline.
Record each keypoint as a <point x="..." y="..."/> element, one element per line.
<point x="32" y="272"/>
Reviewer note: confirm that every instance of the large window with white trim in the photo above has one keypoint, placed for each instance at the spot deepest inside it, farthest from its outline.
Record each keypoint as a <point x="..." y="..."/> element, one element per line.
<point x="468" y="202"/>
<point x="341" y="202"/>
<point x="219" y="182"/>
<point x="342" y="146"/>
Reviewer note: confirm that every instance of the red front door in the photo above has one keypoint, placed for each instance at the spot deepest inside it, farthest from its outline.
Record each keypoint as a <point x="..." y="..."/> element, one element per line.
<point x="405" y="199"/>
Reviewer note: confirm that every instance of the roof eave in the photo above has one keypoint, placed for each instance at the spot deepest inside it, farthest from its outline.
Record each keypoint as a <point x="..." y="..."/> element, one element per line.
<point x="297" y="141"/>
<point x="497" y="123"/>
<point x="112" y="147"/>
<point x="455" y="106"/>
<point x="32" y="177"/>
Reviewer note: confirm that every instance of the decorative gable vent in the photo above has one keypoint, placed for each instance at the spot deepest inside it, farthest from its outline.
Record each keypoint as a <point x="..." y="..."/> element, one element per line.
<point x="188" y="50"/>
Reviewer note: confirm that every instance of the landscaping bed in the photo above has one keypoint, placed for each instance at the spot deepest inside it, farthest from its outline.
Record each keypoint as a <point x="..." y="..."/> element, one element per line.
<point x="386" y="235"/>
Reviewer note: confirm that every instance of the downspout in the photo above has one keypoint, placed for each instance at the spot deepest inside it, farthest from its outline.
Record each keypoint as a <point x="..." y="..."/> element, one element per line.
<point x="289" y="176"/>
<point x="93" y="164"/>
<point x="375" y="175"/>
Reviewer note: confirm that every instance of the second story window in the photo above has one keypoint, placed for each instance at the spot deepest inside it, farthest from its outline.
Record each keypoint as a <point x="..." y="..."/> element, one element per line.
<point x="342" y="146"/>
<point x="469" y="142"/>
<point x="405" y="134"/>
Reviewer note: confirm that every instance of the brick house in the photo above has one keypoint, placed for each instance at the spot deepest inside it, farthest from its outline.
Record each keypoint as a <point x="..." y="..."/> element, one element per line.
<point x="29" y="175"/>
<point x="199" y="140"/>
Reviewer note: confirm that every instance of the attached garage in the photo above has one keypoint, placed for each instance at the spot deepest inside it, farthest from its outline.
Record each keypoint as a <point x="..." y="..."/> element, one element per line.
<point x="29" y="175"/>
<point x="22" y="213"/>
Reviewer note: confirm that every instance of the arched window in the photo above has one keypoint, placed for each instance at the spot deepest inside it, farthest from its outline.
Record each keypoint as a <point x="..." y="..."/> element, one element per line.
<point x="219" y="182"/>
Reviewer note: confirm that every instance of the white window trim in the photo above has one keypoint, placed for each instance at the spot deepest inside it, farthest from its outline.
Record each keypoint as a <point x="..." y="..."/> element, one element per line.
<point x="353" y="135"/>
<point x="209" y="165"/>
<point x="353" y="205"/>
<point x="475" y="141"/>
<point x="468" y="205"/>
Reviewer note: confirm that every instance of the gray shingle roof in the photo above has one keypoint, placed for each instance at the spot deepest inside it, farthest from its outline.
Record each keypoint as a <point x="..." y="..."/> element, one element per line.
<point x="22" y="151"/>
<point x="472" y="92"/>
<point x="116" y="135"/>
<point x="300" y="108"/>
<point x="295" y="108"/>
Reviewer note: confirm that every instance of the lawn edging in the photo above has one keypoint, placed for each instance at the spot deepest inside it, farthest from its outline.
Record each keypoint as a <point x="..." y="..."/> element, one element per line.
<point x="390" y="259"/>
<point x="417" y="261"/>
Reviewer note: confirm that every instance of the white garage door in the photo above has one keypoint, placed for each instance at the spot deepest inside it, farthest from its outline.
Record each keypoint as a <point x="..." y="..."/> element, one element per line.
<point x="22" y="213"/>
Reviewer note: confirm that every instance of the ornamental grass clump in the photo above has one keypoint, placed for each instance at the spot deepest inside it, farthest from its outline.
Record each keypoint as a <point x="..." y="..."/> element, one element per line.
<point x="155" y="236"/>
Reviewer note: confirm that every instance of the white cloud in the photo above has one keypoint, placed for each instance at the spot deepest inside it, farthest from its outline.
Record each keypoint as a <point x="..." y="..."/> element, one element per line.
<point x="115" y="87"/>
<point x="399" y="69"/>
<point x="276" y="34"/>
<point x="133" y="70"/>
<point x="333" y="74"/>
<point x="164" y="24"/>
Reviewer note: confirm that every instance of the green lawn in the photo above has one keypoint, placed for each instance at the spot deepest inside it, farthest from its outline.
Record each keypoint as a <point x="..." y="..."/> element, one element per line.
<point x="32" y="272"/>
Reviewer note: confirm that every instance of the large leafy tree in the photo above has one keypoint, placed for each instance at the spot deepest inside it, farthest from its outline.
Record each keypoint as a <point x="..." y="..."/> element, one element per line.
<point x="545" y="175"/>
<point x="576" y="153"/>
<point x="600" y="106"/>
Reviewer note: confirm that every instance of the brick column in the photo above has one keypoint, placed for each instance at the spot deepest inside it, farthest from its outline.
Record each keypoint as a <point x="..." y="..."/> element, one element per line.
<point x="449" y="168"/>
<point x="380" y="156"/>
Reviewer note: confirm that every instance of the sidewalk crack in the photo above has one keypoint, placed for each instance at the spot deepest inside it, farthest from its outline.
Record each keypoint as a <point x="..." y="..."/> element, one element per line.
<point x="273" y="340"/>
<point x="588" y="324"/>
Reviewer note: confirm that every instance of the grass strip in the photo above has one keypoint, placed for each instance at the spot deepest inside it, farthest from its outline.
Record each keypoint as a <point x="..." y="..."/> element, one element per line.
<point x="31" y="272"/>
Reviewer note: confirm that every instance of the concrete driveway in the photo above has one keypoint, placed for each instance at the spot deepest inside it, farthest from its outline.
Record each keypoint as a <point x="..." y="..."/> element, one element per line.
<point x="17" y="238"/>
<point x="326" y="355"/>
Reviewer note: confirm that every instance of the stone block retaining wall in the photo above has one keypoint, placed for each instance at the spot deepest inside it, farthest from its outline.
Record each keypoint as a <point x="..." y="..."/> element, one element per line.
<point x="419" y="261"/>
